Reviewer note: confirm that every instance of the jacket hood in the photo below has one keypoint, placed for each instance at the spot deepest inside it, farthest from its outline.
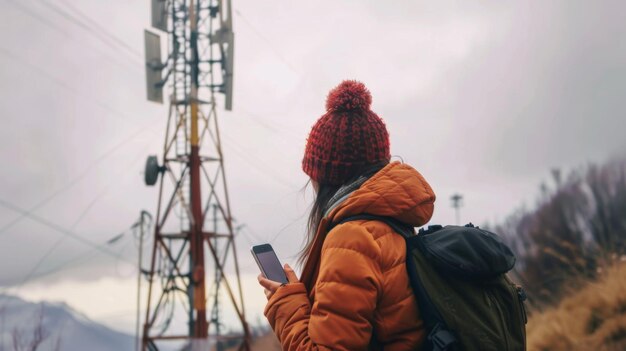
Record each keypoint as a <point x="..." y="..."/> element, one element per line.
<point x="398" y="191"/>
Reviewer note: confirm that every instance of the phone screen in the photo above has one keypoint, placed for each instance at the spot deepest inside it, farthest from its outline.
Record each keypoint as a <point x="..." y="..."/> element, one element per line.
<point x="269" y="264"/>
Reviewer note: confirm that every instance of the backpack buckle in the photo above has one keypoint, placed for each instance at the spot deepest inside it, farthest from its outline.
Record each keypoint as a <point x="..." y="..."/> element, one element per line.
<point x="521" y="294"/>
<point x="441" y="338"/>
<point x="431" y="229"/>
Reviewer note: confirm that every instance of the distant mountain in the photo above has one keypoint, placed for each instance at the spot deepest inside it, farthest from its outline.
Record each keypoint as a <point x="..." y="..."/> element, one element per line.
<point x="60" y="323"/>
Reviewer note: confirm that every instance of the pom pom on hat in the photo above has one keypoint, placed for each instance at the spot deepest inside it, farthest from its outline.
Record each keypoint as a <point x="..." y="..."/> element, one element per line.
<point x="349" y="95"/>
<point x="348" y="137"/>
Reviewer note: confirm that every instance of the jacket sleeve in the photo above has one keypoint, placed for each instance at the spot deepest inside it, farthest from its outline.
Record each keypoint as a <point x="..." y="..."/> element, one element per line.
<point x="346" y="293"/>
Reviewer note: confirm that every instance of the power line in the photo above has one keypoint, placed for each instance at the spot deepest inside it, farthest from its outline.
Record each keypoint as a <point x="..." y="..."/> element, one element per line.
<point x="93" y="22"/>
<point x="76" y="180"/>
<point x="29" y="11"/>
<point x="21" y="60"/>
<point x="267" y="41"/>
<point x="61" y="230"/>
<point x="35" y="15"/>
<point x="252" y="234"/>
<point x="107" y="153"/>
<point x="272" y="128"/>
<point x="45" y="74"/>
<point x="101" y="33"/>
<point x="105" y="106"/>
<point x="32" y="274"/>
<point x="87" y="255"/>
<point x="285" y="227"/>
<point x="70" y="262"/>
<point x="82" y="215"/>
<point x="275" y="177"/>
<point x="86" y="171"/>
<point x="60" y="267"/>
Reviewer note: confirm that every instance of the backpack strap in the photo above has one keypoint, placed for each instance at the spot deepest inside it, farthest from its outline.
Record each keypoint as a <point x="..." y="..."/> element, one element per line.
<point x="439" y="337"/>
<point x="406" y="230"/>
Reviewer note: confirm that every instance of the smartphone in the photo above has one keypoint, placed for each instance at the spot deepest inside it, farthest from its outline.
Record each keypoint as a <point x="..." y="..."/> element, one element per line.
<point x="269" y="264"/>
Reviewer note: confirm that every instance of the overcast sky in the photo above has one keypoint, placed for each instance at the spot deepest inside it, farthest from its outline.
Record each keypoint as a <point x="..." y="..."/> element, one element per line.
<point x="482" y="99"/>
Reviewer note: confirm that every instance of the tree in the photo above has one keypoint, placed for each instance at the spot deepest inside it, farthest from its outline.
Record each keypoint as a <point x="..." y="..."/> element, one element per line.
<point x="24" y="341"/>
<point x="574" y="227"/>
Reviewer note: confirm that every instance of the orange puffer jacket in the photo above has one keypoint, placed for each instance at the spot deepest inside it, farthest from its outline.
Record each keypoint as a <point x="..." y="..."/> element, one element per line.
<point x="354" y="292"/>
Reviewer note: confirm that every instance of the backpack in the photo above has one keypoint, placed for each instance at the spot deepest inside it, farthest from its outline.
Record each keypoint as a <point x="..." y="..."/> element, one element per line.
<point x="458" y="276"/>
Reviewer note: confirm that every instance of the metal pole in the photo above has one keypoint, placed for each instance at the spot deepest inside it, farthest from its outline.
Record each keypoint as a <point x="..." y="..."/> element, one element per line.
<point x="200" y="327"/>
<point x="141" y="236"/>
<point x="216" y="304"/>
<point x="457" y="202"/>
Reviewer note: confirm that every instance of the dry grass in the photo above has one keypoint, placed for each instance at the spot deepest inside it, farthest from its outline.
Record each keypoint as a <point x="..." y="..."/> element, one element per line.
<point x="593" y="318"/>
<point x="267" y="342"/>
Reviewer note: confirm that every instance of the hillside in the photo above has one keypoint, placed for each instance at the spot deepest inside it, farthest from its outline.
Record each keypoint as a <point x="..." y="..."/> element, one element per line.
<point x="594" y="318"/>
<point x="63" y="329"/>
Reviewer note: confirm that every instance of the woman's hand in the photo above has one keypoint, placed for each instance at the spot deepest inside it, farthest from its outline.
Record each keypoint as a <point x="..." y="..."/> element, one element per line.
<point x="271" y="286"/>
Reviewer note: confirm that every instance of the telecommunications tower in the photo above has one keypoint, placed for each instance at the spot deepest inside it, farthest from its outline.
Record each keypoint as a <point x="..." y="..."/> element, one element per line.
<point x="457" y="203"/>
<point x="193" y="211"/>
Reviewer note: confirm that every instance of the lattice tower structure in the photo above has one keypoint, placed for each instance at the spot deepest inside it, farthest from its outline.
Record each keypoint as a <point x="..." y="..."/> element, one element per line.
<point x="193" y="233"/>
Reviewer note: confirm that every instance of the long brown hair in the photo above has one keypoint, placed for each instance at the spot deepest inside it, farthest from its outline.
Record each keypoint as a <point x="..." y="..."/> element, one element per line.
<point x="325" y="194"/>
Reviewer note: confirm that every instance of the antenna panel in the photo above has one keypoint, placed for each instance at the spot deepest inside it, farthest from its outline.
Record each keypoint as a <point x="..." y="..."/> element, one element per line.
<point x="228" y="71"/>
<point x="154" y="67"/>
<point x="159" y="15"/>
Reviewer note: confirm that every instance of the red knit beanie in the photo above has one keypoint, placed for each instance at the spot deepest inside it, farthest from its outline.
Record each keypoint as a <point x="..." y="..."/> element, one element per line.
<point x="347" y="138"/>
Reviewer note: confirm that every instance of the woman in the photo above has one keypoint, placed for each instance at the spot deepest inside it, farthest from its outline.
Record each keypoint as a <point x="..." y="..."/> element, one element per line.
<point x="354" y="293"/>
